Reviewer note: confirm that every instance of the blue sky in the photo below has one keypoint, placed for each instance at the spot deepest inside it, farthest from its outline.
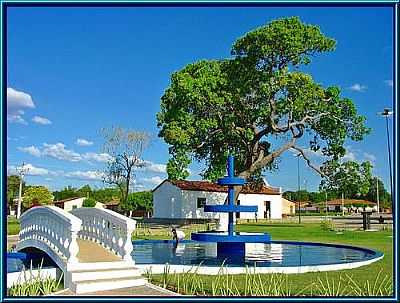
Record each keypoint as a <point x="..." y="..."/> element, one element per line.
<point x="72" y="71"/>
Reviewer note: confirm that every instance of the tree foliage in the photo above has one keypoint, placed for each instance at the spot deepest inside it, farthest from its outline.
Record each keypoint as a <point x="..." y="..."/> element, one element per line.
<point x="384" y="196"/>
<point x="245" y="104"/>
<point x="101" y="195"/>
<point x="125" y="147"/>
<point x="89" y="202"/>
<point x="13" y="187"/>
<point x="36" y="195"/>
<point x="65" y="193"/>
<point x="350" y="178"/>
<point x="84" y="191"/>
<point x="139" y="201"/>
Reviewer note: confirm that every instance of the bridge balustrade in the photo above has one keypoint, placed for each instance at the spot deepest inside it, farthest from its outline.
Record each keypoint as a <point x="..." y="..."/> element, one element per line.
<point x="51" y="227"/>
<point x="108" y="228"/>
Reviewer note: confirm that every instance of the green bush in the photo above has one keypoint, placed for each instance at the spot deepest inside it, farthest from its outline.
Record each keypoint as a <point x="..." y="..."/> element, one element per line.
<point x="89" y="202"/>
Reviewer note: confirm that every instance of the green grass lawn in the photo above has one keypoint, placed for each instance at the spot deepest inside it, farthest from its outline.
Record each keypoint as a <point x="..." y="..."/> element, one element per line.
<point x="313" y="232"/>
<point x="12" y="226"/>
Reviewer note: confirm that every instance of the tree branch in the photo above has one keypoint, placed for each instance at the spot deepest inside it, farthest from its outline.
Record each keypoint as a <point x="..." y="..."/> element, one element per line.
<point x="311" y="165"/>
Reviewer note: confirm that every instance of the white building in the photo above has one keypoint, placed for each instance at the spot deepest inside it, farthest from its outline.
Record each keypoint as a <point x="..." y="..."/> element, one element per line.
<point x="185" y="200"/>
<point x="72" y="203"/>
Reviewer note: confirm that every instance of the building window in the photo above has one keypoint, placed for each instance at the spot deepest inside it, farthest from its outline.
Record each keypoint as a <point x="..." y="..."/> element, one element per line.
<point x="74" y="206"/>
<point x="201" y="202"/>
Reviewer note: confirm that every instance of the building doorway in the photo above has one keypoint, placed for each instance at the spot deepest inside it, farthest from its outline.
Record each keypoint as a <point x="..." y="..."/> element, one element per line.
<point x="267" y="210"/>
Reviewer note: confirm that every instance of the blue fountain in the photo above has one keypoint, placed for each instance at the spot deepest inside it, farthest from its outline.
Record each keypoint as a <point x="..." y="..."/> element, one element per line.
<point x="231" y="242"/>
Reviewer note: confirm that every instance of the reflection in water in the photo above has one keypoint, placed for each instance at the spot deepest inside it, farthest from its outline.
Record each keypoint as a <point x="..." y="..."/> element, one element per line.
<point x="273" y="254"/>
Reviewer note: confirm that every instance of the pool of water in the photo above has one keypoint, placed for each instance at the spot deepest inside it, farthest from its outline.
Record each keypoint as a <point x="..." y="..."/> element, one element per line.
<point x="274" y="254"/>
<point x="18" y="261"/>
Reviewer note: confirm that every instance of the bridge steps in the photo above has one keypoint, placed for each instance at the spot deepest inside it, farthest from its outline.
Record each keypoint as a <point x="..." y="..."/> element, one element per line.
<point x="85" y="286"/>
<point x="82" y="275"/>
<point x="111" y="275"/>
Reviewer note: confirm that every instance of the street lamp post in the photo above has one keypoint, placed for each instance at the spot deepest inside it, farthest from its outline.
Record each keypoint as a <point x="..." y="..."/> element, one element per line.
<point x="386" y="113"/>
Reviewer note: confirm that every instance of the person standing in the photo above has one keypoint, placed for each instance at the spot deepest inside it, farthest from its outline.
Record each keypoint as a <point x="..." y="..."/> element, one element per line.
<point x="177" y="235"/>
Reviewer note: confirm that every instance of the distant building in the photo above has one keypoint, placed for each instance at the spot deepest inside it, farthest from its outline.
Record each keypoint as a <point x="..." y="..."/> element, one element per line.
<point x="72" y="203"/>
<point x="288" y="207"/>
<point x="186" y="200"/>
<point x="349" y="205"/>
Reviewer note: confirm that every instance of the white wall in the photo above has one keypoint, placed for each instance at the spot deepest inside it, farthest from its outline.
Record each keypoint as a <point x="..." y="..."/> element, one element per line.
<point x="257" y="199"/>
<point x="70" y="204"/>
<point x="171" y="202"/>
<point x="167" y="201"/>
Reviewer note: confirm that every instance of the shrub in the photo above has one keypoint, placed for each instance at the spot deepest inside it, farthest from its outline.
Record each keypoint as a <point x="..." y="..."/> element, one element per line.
<point x="89" y="202"/>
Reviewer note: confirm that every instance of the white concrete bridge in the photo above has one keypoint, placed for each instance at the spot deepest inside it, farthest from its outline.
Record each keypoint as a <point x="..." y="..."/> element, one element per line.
<point x="92" y="246"/>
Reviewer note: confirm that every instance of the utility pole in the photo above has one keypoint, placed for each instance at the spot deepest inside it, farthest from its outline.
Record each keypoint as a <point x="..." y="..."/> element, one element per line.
<point x="377" y="194"/>
<point x="21" y="172"/>
<point x="342" y="204"/>
<point x="326" y="204"/>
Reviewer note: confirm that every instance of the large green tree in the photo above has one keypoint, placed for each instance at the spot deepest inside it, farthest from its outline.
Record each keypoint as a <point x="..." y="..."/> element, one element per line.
<point x="256" y="105"/>
<point x="350" y="178"/>
<point x="37" y="195"/>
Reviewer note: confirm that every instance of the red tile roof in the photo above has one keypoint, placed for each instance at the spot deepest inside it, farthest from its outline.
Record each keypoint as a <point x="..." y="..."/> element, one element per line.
<point x="213" y="187"/>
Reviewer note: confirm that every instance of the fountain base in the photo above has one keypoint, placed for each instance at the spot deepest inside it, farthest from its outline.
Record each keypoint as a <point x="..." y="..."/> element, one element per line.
<point x="231" y="244"/>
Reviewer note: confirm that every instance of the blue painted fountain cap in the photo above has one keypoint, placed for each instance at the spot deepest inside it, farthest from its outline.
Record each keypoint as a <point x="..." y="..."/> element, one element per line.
<point x="231" y="180"/>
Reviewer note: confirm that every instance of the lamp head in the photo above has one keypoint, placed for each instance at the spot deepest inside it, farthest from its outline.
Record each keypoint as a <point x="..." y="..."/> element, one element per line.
<point x="386" y="112"/>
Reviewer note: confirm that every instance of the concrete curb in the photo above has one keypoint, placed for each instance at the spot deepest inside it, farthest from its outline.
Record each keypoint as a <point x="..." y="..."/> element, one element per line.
<point x="160" y="289"/>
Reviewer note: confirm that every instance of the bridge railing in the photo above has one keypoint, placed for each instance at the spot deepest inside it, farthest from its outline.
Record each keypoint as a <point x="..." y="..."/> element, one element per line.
<point x="54" y="227"/>
<point x="110" y="229"/>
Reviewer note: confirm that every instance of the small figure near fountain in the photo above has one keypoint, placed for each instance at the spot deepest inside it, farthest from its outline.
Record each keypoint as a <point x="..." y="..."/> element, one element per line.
<point x="177" y="235"/>
<point x="231" y="242"/>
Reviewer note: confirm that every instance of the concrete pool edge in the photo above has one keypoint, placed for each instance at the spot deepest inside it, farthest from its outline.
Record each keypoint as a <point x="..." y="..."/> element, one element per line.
<point x="214" y="270"/>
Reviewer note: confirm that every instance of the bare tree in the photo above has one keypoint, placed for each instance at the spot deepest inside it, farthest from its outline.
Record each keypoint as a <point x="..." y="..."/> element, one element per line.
<point x="125" y="147"/>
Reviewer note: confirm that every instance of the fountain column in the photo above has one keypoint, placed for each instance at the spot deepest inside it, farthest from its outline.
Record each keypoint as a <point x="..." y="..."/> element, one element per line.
<point x="231" y="244"/>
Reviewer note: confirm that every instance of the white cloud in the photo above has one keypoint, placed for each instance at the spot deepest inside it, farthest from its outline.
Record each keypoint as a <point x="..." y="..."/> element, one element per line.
<point x="102" y="157"/>
<point x="16" y="102"/>
<point x="153" y="180"/>
<point x="41" y="120"/>
<point x="89" y="175"/>
<point x="18" y="99"/>
<point x="349" y="155"/>
<point x="154" y="167"/>
<point x="58" y="151"/>
<point x="83" y="142"/>
<point x="369" y="157"/>
<point x="16" y="117"/>
<point x="30" y="170"/>
<point x="389" y="82"/>
<point x="32" y="150"/>
<point x="358" y="87"/>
